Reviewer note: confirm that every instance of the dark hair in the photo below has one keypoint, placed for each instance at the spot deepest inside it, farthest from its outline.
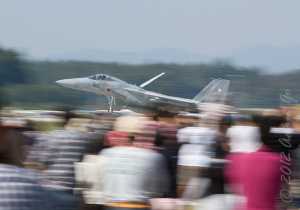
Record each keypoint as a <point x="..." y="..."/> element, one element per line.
<point x="225" y="123"/>
<point x="265" y="123"/>
<point x="11" y="145"/>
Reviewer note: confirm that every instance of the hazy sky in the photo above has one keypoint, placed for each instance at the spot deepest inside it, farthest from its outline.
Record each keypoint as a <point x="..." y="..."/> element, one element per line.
<point x="217" y="28"/>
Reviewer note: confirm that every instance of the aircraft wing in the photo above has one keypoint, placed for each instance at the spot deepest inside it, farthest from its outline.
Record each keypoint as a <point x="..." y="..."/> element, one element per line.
<point x="163" y="101"/>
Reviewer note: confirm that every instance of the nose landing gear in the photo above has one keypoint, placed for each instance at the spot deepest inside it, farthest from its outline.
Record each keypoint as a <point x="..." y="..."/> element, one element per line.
<point x="111" y="103"/>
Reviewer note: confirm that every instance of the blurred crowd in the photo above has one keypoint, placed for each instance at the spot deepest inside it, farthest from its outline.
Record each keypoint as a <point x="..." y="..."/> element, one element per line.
<point x="215" y="159"/>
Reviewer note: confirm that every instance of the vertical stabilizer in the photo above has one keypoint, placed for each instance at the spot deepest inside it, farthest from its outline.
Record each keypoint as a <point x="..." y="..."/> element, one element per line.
<point x="215" y="92"/>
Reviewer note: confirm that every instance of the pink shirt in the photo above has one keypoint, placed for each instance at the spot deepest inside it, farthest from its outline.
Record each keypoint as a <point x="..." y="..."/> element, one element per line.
<point x="258" y="176"/>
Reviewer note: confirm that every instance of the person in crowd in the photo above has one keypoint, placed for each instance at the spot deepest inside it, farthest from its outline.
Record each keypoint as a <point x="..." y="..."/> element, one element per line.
<point x="260" y="185"/>
<point x="166" y="140"/>
<point x="244" y="134"/>
<point x="221" y="145"/>
<point x="60" y="150"/>
<point x="220" y="148"/>
<point x="295" y="181"/>
<point x="244" y="138"/>
<point x="131" y="171"/>
<point x="194" y="158"/>
<point x="19" y="187"/>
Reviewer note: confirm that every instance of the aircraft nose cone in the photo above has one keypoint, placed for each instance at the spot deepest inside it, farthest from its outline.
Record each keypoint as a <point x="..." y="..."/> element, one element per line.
<point x="65" y="82"/>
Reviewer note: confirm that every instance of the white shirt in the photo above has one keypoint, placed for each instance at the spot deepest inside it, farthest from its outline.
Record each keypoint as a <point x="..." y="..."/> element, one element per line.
<point x="130" y="174"/>
<point x="197" y="152"/>
<point x="244" y="138"/>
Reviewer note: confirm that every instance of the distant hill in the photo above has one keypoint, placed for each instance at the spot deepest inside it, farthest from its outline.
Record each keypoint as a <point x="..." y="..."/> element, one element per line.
<point x="272" y="59"/>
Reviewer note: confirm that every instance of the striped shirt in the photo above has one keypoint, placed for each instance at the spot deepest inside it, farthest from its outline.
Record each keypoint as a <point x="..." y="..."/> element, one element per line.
<point x="67" y="147"/>
<point x="19" y="189"/>
<point x="61" y="149"/>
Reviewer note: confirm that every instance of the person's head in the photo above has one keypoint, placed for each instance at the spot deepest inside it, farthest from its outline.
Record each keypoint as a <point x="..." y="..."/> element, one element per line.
<point x="117" y="138"/>
<point x="166" y="135"/>
<point x="135" y="126"/>
<point x="225" y="123"/>
<point x="243" y="120"/>
<point x="183" y="120"/>
<point x="11" y="146"/>
<point x="146" y="135"/>
<point x="265" y="123"/>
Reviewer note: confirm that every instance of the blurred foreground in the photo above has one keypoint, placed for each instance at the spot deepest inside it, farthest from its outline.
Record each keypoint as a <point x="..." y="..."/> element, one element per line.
<point x="217" y="159"/>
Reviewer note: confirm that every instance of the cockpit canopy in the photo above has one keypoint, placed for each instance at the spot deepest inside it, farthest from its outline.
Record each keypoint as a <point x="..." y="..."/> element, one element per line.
<point x="101" y="77"/>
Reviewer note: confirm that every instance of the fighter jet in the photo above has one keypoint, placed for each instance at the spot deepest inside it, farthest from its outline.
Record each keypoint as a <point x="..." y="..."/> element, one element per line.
<point x="136" y="96"/>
